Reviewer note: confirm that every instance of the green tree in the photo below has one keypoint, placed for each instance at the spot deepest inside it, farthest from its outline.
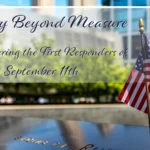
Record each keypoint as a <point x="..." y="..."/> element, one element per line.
<point x="97" y="75"/>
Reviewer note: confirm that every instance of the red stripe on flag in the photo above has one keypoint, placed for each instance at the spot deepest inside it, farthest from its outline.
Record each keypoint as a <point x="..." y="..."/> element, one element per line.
<point x="142" y="102"/>
<point x="138" y="94"/>
<point x="146" y="110"/>
<point x="126" y="85"/>
<point x="147" y="80"/>
<point x="132" y="88"/>
<point x="146" y="65"/>
<point x="147" y="72"/>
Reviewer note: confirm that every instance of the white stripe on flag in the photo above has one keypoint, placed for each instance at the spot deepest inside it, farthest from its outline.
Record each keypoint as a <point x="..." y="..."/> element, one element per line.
<point x="147" y="69"/>
<point x="147" y="61"/>
<point x="136" y="90"/>
<point x="144" y="106"/>
<point x="140" y="97"/>
<point x="129" y="86"/>
<point x="147" y="76"/>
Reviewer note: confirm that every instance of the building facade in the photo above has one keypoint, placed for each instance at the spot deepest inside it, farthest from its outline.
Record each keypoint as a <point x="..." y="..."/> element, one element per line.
<point x="131" y="35"/>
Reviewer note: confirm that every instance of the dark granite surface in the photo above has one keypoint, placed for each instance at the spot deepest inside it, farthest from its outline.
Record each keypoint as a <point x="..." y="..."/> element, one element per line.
<point x="46" y="134"/>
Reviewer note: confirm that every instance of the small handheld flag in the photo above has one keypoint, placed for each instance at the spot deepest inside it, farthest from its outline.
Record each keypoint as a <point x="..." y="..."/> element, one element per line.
<point x="137" y="88"/>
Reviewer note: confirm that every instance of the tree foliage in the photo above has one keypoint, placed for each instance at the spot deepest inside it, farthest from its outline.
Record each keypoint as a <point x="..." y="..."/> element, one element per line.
<point x="97" y="75"/>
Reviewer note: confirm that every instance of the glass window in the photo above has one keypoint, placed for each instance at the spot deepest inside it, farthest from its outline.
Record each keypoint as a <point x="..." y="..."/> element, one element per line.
<point x="106" y="2"/>
<point x="125" y="42"/>
<point x="121" y="14"/>
<point x="139" y="2"/>
<point x="120" y="29"/>
<point x="106" y="14"/>
<point x="99" y="2"/>
<point x="61" y="11"/>
<point x="136" y="45"/>
<point x="120" y="2"/>
<point x="136" y="14"/>
<point x="135" y="25"/>
<point x="61" y="2"/>
<point x="70" y="2"/>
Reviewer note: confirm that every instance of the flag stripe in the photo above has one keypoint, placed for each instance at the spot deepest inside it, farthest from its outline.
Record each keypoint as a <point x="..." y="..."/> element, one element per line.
<point x="146" y="110"/>
<point x="144" y="106"/>
<point x="147" y="80"/>
<point x="146" y="61"/>
<point x="140" y="97"/>
<point x="142" y="101"/>
<point x="147" y="72"/>
<point x="130" y="92"/>
<point x="147" y="69"/>
<point x="137" y="96"/>
<point x="146" y="65"/>
<point x="126" y="85"/>
<point x="147" y="76"/>
<point x="134" y="91"/>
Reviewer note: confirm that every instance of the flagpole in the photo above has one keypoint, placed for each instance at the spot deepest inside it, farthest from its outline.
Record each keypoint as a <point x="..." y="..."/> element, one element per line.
<point x="143" y="43"/>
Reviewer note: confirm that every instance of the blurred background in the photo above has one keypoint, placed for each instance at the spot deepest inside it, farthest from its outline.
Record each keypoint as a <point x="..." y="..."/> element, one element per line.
<point x="116" y="38"/>
<point x="101" y="92"/>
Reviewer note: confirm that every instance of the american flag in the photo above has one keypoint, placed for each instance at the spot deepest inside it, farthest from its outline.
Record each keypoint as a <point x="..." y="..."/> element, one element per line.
<point x="134" y="91"/>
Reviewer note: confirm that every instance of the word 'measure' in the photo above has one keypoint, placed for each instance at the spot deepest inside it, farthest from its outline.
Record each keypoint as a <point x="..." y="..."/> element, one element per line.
<point x="22" y="21"/>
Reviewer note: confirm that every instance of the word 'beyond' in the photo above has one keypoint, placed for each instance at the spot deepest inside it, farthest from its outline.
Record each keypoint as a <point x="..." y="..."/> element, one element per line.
<point x="21" y="21"/>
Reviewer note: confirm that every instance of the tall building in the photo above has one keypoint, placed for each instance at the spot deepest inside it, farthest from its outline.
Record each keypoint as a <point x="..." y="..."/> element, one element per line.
<point x="78" y="36"/>
<point x="63" y="11"/>
<point x="131" y="35"/>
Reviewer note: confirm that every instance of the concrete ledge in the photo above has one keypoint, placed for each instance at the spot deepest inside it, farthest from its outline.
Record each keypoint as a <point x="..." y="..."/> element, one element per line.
<point x="118" y="114"/>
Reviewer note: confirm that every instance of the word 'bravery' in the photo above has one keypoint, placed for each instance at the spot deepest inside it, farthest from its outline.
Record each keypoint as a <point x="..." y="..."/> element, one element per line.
<point x="21" y="21"/>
